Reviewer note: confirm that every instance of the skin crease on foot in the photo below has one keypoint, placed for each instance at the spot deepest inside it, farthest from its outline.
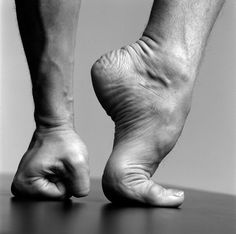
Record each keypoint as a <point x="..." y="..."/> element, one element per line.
<point x="146" y="88"/>
<point x="148" y="96"/>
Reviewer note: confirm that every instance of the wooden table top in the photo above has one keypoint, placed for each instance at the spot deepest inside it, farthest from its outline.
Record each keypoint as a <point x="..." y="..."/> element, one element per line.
<point x="202" y="212"/>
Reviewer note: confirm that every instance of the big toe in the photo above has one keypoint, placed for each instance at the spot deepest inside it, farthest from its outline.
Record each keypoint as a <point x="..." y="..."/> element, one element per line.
<point x="142" y="191"/>
<point x="160" y="196"/>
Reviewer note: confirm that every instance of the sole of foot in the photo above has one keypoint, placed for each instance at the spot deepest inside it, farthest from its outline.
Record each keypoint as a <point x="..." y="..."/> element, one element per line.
<point x="147" y="93"/>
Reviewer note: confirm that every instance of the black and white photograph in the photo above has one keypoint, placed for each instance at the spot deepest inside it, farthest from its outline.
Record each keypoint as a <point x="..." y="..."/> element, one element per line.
<point x="117" y="117"/>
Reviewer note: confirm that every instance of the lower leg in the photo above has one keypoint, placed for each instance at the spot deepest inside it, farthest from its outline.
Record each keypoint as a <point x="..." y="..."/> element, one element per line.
<point x="146" y="88"/>
<point x="55" y="164"/>
<point x="183" y="27"/>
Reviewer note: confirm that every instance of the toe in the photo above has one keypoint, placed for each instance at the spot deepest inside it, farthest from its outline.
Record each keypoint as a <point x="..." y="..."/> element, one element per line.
<point x="136" y="189"/>
<point x="160" y="196"/>
<point x="125" y="186"/>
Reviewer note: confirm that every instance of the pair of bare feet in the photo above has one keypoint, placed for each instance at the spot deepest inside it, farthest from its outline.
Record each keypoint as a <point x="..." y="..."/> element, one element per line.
<point x="147" y="93"/>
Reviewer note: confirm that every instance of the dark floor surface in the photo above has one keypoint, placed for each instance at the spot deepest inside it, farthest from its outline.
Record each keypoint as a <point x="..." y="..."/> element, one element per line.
<point x="202" y="212"/>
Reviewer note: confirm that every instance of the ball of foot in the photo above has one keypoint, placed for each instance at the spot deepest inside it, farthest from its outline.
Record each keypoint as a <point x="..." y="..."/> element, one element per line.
<point x="147" y="93"/>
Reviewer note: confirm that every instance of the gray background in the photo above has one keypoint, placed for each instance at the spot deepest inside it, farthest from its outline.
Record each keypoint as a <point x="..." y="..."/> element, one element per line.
<point x="205" y="154"/>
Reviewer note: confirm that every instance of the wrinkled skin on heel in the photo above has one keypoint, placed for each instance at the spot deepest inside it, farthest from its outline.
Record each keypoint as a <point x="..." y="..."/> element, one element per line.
<point x="148" y="97"/>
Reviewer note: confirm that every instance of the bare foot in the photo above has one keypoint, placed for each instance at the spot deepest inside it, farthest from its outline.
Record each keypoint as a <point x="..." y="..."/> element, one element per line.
<point x="55" y="166"/>
<point x="147" y="93"/>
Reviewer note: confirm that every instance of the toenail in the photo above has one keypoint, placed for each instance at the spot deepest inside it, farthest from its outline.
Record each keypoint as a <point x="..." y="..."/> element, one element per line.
<point x="179" y="194"/>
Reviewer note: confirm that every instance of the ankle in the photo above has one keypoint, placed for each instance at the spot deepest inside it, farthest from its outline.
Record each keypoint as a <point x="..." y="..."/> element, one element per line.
<point x="175" y="56"/>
